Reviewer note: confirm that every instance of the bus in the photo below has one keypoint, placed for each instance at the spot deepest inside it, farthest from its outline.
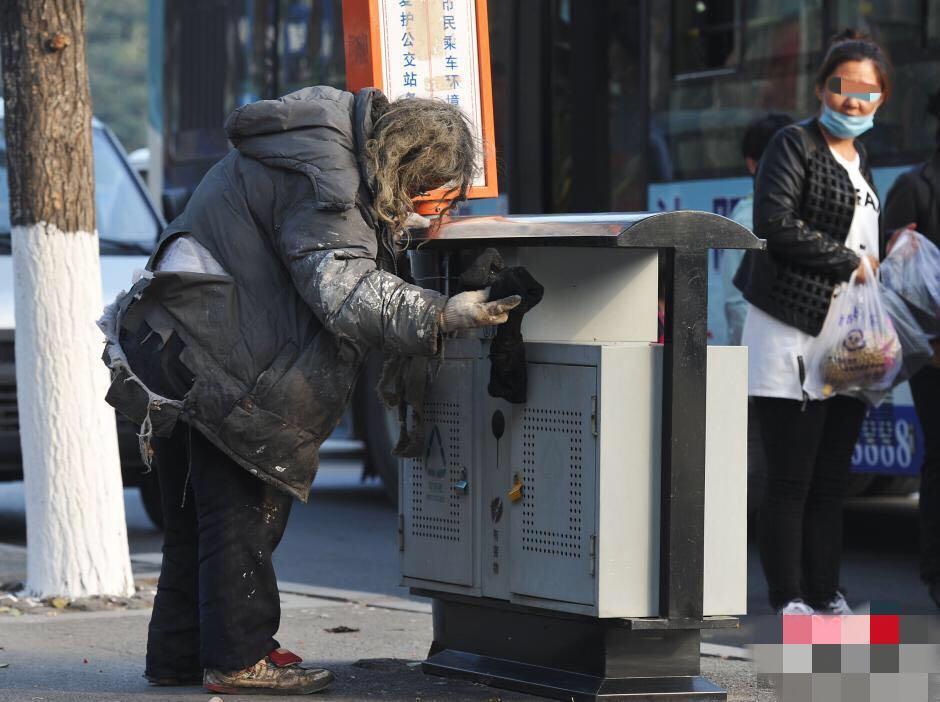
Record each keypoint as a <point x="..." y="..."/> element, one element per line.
<point x="599" y="105"/>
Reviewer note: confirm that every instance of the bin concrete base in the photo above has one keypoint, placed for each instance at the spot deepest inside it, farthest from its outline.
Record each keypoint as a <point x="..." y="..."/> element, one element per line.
<point x="565" y="656"/>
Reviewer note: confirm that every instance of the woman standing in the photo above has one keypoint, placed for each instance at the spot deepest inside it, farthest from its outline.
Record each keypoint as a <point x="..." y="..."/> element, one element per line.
<point x="816" y="205"/>
<point x="914" y="200"/>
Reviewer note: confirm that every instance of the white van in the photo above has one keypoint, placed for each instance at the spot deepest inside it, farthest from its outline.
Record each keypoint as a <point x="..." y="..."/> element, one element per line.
<point x="128" y="224"/>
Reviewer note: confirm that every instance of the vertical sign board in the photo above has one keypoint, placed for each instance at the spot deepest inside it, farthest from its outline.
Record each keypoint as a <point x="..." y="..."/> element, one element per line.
<point x="427" y="48"/>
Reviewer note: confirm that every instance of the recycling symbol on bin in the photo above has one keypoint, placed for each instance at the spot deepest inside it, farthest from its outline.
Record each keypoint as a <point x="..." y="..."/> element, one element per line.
<point x="435" y="462"/>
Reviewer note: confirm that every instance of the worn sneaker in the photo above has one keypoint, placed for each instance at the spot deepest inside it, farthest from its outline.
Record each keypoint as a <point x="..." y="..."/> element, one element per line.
<point x="838" y="605"/>
<point x="796" y="606"/>
<point x="278" y="673"/>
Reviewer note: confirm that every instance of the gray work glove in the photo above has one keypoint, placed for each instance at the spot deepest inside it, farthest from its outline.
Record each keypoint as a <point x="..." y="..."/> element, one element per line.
<point x="416" y="221"/>
<point x="470" y="309"/>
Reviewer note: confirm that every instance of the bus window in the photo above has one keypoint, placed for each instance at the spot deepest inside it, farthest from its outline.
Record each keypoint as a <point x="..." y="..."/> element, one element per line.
<point x="892" y="22"/>
<point x="902" y="135"/>
<point x="596" y="140"/>
<point x="627" y="109"/>
<point x="560" y="142"/>
<point x="310" y="44"/>
<point x="706" y="35"/>
<point x="216" y="61"/>
<point x="781" y="30"/>
<point x="697" y="120"/>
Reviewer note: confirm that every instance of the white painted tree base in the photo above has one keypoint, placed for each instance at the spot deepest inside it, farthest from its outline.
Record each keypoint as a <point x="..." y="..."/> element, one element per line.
<point x="75" y="528"/>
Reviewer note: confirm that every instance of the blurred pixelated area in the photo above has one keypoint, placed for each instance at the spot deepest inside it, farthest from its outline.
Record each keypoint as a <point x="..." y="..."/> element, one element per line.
<point x="873" y="657"/>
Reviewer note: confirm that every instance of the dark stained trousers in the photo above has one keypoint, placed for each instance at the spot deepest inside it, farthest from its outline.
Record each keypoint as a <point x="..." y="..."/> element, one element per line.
<point x="925" y="389"/>
<point x="217" y="603"/>
<point x="809" y="455"/>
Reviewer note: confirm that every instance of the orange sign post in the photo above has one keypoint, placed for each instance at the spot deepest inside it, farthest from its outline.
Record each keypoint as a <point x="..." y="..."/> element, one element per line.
<point x="427" y="48"/>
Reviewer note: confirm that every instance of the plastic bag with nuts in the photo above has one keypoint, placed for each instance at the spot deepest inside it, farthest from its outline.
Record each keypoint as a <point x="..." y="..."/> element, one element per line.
<point x="857" y="352"/>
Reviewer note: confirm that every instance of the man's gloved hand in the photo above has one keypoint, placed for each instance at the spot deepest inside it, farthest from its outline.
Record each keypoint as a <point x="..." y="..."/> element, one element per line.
<point x="416" y="221"/>
<point x="470" y="309"/>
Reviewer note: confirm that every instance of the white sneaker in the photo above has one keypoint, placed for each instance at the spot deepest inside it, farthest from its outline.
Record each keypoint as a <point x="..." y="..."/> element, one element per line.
<point x="796" y="606"/>
<point x="838" y="605"/>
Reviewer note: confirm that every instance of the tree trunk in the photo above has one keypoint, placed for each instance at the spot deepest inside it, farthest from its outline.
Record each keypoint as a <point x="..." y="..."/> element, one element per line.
<point x="76" y="534"/>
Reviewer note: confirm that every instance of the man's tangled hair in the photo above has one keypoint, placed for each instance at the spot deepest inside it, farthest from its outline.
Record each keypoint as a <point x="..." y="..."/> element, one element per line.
<point x="419" y="145"/>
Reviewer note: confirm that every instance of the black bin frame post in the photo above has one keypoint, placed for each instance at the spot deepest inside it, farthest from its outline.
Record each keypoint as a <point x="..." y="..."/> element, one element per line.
<point x="682" y="492"/>
<point x="576" y="657"/>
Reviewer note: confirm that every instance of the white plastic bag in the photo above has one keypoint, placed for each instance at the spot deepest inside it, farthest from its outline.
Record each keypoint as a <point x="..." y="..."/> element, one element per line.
<point x="912" y="270"/>
<point x="857" y="352"/>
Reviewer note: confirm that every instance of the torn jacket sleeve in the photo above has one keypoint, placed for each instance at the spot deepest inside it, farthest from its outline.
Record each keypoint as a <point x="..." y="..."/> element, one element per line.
<point x="331" y="259"/>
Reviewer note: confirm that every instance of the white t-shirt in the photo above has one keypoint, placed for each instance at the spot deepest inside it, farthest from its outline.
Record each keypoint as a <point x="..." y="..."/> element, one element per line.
<point x="775" y="347"/>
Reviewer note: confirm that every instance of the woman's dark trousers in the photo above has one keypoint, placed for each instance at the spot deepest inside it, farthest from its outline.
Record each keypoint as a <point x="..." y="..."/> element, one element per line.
<point x="925" y="388"/>
<point x="809" y="455"/>
<point x="217" y="603"/>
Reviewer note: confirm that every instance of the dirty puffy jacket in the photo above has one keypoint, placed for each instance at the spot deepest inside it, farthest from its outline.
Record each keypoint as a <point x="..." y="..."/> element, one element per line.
<point x="276" y="344"/>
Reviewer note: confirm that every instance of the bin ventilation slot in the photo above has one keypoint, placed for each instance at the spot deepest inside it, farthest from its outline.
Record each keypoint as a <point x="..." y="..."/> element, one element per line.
<point x="435" y="504"/>
<point x="552" y="476"/>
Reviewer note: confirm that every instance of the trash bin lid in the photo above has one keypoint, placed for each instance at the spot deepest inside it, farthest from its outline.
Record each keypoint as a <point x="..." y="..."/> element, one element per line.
<point x="682" y="229"/>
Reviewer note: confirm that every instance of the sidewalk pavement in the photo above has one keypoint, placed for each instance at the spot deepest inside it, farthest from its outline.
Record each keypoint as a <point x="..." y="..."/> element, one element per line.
<point x="98" y="656"/>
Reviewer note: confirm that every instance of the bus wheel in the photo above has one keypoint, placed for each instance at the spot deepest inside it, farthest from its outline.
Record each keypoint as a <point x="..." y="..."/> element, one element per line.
<point x="377" y="427"/>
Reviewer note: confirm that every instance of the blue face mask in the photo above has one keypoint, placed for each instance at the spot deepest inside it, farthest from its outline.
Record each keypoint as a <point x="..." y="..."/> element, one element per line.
<point x="845" y="126"/>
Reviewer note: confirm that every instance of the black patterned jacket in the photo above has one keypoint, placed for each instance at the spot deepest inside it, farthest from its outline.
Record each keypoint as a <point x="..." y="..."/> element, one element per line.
<point x="804" y="201"/>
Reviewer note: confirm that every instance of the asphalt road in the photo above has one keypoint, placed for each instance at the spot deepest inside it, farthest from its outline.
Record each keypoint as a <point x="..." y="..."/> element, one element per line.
<point x="345" y="538"/>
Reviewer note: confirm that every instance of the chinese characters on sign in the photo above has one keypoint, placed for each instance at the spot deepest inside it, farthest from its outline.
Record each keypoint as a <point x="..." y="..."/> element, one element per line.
<point x="429" y="50"/>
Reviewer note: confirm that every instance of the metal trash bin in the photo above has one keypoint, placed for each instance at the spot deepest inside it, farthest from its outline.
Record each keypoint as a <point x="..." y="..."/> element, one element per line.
<point x="574" y="546"/>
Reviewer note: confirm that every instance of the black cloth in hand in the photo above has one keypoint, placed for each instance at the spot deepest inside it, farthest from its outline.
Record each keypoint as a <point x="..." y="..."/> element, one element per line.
<point x="482" y="271"/>
<point x="508" y="377"/>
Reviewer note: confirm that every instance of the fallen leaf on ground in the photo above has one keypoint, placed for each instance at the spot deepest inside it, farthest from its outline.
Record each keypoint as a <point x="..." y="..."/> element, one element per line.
<point x="341" y="630"/>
